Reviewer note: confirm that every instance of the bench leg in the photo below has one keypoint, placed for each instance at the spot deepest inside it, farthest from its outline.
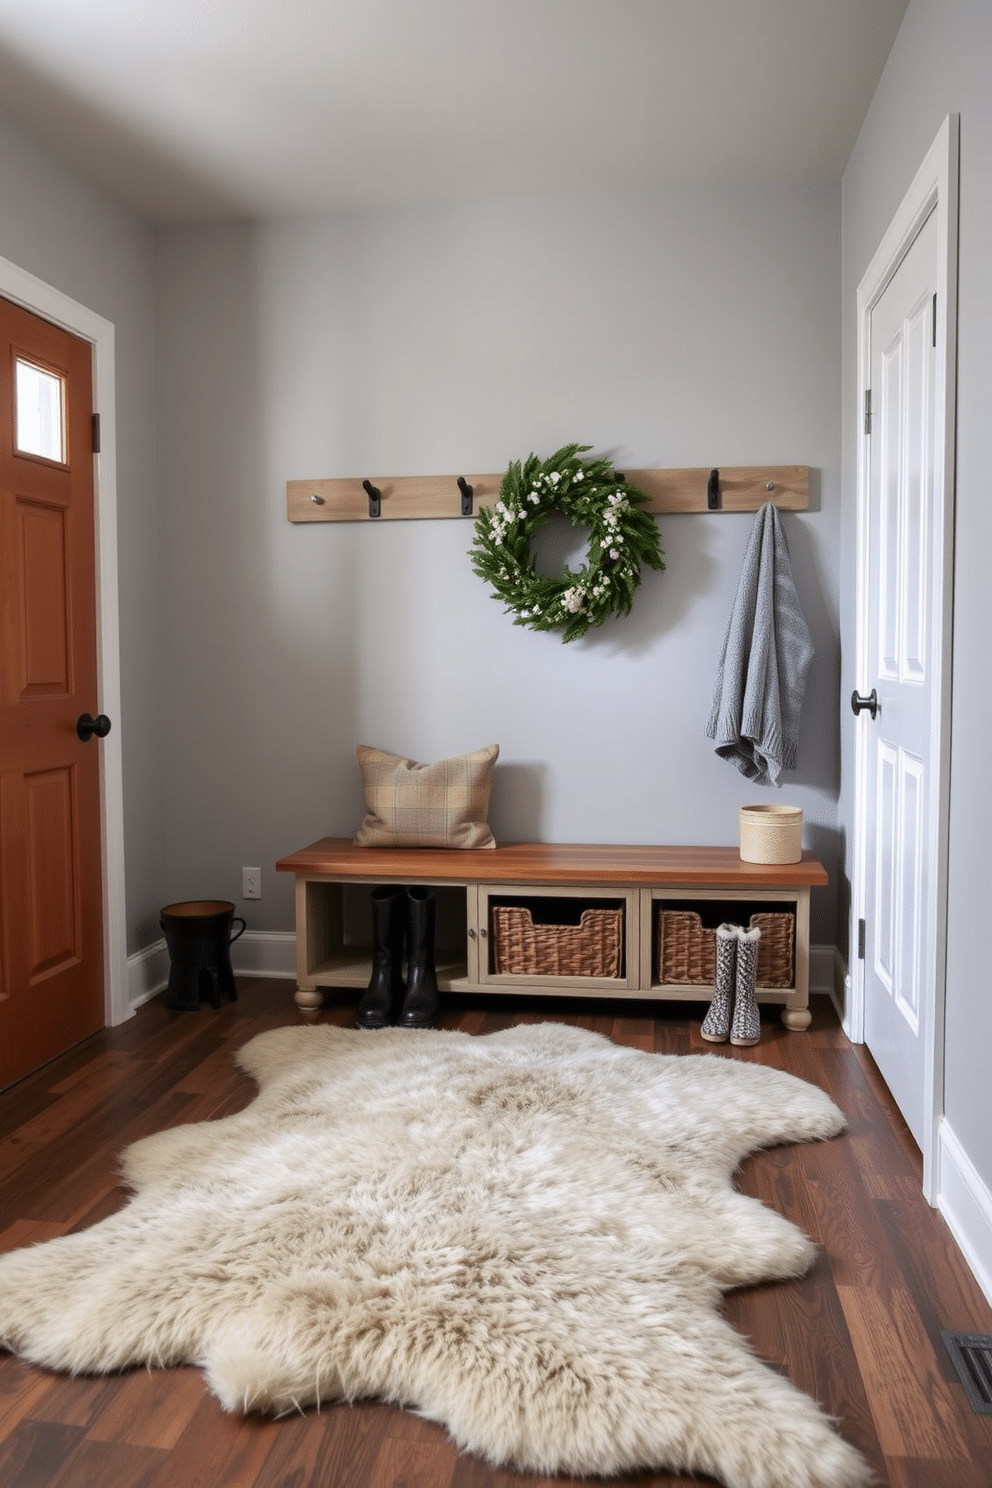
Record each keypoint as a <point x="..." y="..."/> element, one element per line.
<point x="309" y="999"/>
<point x="796" y="1015"/>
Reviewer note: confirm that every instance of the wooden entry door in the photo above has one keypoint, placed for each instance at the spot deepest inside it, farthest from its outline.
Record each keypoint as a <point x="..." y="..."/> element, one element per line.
<point x="51" y="888"/>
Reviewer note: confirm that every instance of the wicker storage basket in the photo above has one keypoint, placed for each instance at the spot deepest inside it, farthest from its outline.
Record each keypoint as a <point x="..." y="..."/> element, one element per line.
<point x="687" y="951"/>
<point x="592" y="948"/>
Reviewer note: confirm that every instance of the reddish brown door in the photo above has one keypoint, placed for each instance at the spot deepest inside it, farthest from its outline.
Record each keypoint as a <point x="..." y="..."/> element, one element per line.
<point x="51" y="901"/>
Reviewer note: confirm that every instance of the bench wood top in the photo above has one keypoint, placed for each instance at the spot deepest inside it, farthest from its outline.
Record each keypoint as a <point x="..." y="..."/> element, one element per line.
<point x="548" y="862"/>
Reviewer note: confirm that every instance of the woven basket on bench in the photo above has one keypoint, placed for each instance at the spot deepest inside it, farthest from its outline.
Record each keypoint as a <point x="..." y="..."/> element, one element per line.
<point x="687" y="951"/>
<point x="592" y="948"/>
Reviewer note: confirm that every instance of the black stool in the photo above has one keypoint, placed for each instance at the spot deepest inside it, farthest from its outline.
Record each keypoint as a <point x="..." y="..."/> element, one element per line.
<point x="198" y="935"/>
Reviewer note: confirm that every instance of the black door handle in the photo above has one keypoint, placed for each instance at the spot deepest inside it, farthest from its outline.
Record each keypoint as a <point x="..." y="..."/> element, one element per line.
<point x="86" y="726"/>
<point x="859" y="703"/>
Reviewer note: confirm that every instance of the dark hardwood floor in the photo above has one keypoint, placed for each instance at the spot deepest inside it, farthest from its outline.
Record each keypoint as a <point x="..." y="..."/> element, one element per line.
<point x="861" y="1332"/>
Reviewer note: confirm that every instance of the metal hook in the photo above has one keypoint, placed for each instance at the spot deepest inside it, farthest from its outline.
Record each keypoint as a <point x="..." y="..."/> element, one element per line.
<point x="713" y="491"/>
<point x="467" y="492"/>
<point x="375" y="498"/>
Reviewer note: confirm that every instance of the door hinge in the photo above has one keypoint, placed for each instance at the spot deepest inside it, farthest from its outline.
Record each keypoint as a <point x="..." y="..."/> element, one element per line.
<point x="96" y="433"/>
<point x="935" y="317"/>
<point x="861" y="940"/>
<point x="867" y="410"/>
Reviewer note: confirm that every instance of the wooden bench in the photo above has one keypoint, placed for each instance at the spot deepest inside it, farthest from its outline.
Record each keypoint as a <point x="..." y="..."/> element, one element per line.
<point x="333" y="878"/>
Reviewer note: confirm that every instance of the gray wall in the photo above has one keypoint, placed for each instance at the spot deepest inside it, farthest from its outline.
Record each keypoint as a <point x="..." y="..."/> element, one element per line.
<point x="59" y="227"/>
<point x="939" y="65"/>
<point x="687" y="329"/>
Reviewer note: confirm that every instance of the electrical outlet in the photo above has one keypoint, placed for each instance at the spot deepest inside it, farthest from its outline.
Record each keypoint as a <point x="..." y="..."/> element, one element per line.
<point x="251" y="883"/>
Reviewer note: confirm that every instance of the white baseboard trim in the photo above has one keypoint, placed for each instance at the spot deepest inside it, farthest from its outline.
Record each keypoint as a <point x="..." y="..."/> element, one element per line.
<point x="261" y="953"/>
<point x="272" y="953"/>
<point x="822" y="972"/>
<point x="147" y="973"/>
<point x="837" y="983"/>
<point x="265" y="953"/>
<point x="965" y="1201"/>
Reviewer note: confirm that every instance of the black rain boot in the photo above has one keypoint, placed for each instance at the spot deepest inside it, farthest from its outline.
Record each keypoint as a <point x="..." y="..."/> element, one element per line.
<point x="377" y="1008"/>
<point x="420" y="1005"/>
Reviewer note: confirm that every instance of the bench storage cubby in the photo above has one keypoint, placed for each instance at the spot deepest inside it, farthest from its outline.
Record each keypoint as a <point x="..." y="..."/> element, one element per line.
<point x="687" y="947"/>
<point x="528" y="942"/>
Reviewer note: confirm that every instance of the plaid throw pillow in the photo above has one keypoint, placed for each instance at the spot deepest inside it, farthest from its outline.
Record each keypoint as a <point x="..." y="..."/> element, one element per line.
<point x="440" y="805"/>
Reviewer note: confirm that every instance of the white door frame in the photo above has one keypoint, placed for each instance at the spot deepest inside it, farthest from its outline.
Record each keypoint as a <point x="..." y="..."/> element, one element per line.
<point x="935" y="187"/>
<point x="34" y="294"/>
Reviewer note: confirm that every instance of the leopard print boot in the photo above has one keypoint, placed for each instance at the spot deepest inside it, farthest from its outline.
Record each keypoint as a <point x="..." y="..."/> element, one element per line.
<point x="746" y="1029"/>
<point x="716" y="1024"/>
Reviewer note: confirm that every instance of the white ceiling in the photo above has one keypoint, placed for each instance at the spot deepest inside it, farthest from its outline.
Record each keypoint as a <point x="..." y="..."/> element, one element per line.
<point x="210" y="108"/>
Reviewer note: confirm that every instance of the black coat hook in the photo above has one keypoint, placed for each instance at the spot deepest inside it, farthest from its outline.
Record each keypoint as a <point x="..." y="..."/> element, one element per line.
<point x="713" y="491"/>
<point x="375" y="498"/>
<point x="466" y="491"/>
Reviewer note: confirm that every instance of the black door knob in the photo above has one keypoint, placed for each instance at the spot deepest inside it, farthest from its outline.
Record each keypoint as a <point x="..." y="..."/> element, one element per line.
<point x="859" y="703"/>
<point x="86" y="726"/>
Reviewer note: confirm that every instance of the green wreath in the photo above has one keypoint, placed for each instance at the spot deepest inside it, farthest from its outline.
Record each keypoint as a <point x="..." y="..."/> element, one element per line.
<point x="622" y="537"/>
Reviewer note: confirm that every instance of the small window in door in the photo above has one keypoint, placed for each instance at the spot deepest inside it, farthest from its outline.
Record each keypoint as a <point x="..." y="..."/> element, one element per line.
<point x="40" y="420"/>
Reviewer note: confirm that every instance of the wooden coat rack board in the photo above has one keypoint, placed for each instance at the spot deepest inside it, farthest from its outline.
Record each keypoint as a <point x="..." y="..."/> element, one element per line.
<point x="740" y="488"/>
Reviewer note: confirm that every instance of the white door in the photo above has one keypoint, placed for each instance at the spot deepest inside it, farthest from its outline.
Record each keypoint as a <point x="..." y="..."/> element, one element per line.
<point x="902" y="788"/>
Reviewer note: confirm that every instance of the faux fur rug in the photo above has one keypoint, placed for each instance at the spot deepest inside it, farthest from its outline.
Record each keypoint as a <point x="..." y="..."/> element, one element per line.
<point x="523" y="1236"/>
